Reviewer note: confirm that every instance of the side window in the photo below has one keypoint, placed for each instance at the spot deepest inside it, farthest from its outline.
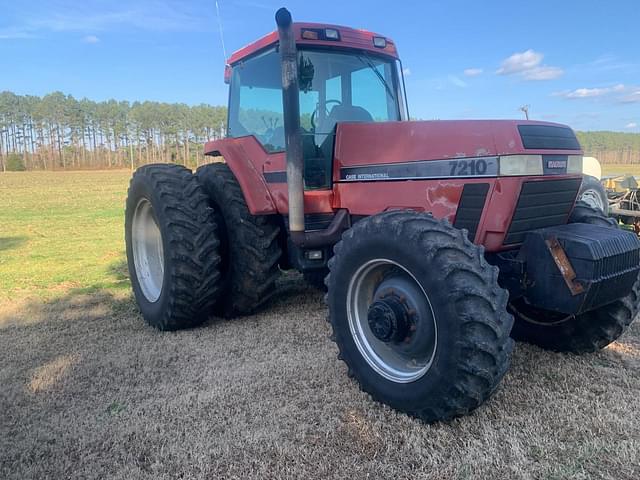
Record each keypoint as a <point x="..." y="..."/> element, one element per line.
<point x="255" y="104"/>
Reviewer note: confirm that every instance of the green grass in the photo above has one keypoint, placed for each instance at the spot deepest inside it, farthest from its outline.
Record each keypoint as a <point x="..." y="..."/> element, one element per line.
<point x="61" y="232"/>
<point x="620" y="169"/>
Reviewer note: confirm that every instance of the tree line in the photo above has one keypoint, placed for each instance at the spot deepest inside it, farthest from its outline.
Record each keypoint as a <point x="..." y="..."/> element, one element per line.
<point x="58" y="131"/>
<point x="611" y="147"/>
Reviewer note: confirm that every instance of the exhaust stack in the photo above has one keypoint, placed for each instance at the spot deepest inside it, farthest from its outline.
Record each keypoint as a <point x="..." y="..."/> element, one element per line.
<point x="293" y="136"/>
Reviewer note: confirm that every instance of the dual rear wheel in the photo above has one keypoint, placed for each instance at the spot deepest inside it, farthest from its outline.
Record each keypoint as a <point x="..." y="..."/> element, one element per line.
<point x="193" y="249"/>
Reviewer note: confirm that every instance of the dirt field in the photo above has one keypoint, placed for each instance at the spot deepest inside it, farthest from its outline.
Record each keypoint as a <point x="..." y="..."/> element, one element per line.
<point x="89" y="391"/>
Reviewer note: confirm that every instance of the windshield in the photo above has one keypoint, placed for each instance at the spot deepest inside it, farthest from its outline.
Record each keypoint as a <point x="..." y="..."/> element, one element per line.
<point x="334" y="87"/>
<point x="346" y="87"/>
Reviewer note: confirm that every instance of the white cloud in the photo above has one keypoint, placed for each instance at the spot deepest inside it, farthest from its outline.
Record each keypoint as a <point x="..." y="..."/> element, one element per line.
<point x="632" y="97"/>
<point x="15" y="33"/>
<point x="528" y="65"/>
<point x="542" y="73"/>
<point x="520" y="62"/>
<point x="585" y="92"/>
<point x="406" y="71"/>
<point x="90" y="39"/>
<point x="619" y="92"/>
<point x="457" y="81"/>
<point x="87" y="18"/>
<point x="631" y="125"/>
<point x="472" y="72"/>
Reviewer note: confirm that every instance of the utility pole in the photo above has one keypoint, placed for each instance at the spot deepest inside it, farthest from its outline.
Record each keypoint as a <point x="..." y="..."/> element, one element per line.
<point x="525" y="110"/>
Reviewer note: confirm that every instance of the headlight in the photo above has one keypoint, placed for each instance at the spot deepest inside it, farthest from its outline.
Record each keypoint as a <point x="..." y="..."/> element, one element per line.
<point x="574" y="164"/>
<point x="521" y="165"/>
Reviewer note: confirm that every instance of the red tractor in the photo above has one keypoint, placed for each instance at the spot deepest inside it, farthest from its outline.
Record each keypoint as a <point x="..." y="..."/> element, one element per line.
<point x="437" y="242"/>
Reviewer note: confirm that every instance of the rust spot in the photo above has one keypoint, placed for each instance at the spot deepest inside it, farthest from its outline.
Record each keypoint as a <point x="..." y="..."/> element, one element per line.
<point x="564" y="265"/>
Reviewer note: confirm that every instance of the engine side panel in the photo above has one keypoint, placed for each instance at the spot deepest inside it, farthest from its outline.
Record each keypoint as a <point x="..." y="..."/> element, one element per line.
<point x="443" y="199"/>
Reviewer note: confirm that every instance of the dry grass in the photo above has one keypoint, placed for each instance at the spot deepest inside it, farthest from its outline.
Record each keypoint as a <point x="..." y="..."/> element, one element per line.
<point x="89" y="391"/>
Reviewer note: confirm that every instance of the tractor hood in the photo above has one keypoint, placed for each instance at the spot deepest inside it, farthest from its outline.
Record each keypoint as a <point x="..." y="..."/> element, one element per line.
<point x="362" y="150"/>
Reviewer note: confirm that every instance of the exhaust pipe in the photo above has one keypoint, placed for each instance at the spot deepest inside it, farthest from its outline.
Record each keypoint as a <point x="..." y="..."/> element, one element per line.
<point x="292" y="133"/>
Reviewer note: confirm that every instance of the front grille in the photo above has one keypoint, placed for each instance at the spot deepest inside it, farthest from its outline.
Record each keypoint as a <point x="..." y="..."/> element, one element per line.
<point x="542" y="204"/>
<point x="470" y="207"/>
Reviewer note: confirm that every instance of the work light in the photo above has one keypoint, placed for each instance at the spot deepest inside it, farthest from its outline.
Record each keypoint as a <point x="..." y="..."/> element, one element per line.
<point x="379" y="42"/>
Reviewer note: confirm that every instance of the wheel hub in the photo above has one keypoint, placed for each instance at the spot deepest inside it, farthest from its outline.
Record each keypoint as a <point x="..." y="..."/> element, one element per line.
<point x="391" y="320"/>
<point x="388" y="320"/>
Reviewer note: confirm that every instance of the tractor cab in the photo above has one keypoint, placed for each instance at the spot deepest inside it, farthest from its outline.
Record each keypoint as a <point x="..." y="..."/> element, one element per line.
<point x="336" y="83"/>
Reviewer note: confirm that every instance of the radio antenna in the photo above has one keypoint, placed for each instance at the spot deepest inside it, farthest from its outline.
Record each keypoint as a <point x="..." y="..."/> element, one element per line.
<point x="224" y="50"/>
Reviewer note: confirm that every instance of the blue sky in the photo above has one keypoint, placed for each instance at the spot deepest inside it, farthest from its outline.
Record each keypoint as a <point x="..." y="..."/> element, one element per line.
<point x="575" y="62"/>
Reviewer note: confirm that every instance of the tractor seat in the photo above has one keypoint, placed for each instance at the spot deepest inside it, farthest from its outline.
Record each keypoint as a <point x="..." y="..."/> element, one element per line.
<point x="339" y="113"/>
<point x="344" y="113"/>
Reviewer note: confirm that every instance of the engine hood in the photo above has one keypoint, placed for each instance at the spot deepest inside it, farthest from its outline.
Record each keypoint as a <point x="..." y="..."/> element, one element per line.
<point x="360" y="144"/>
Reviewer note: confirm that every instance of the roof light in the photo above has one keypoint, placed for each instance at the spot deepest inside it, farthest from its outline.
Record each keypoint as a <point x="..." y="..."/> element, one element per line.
<point x="310" y="34"/>
<point x="379" y="42"/>
<point x="331" y="34"/>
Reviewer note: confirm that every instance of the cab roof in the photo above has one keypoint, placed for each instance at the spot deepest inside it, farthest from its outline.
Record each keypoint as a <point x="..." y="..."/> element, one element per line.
<point x="348" y="38"/>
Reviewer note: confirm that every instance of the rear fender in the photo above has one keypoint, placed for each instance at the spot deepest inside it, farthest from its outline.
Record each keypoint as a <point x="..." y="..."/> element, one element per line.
<point x="245" y="157"/>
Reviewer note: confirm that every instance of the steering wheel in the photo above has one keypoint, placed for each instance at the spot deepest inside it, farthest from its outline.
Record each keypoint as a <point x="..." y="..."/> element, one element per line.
<point x="315" y="112"/>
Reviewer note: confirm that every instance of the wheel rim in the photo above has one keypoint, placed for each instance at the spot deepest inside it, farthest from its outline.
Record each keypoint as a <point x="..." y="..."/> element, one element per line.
<point x="148" y="253"/>
<point x="391" y="320"/>
<point x="592" y="198"/>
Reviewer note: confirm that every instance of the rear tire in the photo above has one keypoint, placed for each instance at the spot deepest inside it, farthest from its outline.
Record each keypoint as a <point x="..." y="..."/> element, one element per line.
<point x="457" y="346"/>
<point x="172" y="248"/>
<point x="249" y="247"/>
<point x="587" y="332"/>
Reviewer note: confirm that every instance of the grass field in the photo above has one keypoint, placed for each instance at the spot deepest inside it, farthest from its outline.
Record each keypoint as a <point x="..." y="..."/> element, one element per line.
<point x="621" y="169"/>
<point x="89" y="391"/>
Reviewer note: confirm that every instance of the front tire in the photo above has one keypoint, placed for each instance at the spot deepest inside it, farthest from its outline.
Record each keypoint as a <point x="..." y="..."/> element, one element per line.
<point x="417" y="315"/>
<point x="172" y="248"/>
<point x="587" y="332"/>
<point x="593" y="194"/>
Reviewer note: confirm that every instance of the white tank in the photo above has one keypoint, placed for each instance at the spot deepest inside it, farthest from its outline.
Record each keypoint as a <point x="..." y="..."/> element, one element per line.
<point x="591" y="166"/>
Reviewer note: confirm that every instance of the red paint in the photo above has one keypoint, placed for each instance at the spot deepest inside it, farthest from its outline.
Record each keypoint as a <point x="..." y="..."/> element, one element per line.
<point x="349" y="38"/>
<point x="392" y="142"/>
<point x="245" y="157"/>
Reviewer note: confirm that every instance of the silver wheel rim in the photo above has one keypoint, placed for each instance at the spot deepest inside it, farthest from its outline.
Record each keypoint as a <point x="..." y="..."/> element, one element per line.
<point x="592" y="198"/>
<point x="382" y="357"/>
<point x="148" y="254"/>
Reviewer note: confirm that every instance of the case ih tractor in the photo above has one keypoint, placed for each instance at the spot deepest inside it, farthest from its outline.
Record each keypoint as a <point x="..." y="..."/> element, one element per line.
<point x="437" y="241"/>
